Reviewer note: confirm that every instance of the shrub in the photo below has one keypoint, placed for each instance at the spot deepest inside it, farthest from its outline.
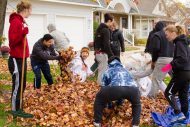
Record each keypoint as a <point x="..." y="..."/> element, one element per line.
<point x="2" y="39"/>
<point x="140" y="41"/>
<point x="95" y="26"/>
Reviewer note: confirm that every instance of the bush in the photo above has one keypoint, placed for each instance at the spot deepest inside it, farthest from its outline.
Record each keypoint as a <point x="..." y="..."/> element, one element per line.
<point x="95" y="26"/>
<point x="141" y="41"/>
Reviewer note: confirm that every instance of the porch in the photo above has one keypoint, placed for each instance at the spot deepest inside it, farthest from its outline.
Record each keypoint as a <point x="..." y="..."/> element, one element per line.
<point x="133" y="26"/>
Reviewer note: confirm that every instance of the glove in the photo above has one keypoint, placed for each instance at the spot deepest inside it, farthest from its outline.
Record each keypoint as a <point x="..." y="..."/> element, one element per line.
<point x="59" y="58"/>
<point x="25" y="30"/>
<point x="167" y="68"/>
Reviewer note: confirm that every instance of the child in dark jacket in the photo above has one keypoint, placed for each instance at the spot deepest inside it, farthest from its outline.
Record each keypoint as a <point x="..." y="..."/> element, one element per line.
<point x="117" y="83"/>
<point x="117" y="41"/>
<point x="180" y="66"/>
<point x="43" y="51"/>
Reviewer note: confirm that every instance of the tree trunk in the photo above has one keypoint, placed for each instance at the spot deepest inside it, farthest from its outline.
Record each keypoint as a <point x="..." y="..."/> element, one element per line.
<point x="3" y="5"/>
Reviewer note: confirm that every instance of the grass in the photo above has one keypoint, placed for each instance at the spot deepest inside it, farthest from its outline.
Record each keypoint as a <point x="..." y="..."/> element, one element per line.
<point x="131" y="48"/>
<point x="5" y="87"/>
<point x="3" y="117"/>
<point x="167" y="80"/>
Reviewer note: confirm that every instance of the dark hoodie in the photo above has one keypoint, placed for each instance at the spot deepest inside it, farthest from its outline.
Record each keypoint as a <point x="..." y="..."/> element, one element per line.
<point x="181" y="60"/>
<point x="161" y="46"/>
<point x="149" y="44"/>
<point x="17" y="34"/>
<point x="102" y="40"/>
<point x="41" y="53"/>
<point x="118" y="41"/>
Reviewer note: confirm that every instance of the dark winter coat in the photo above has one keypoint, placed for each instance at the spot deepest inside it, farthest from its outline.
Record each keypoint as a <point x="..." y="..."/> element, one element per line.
<point x="41" y="53"/>
<point x="161" y="46"/>
<point x="117" y="42"/>
<point x="102" y="40"/>
<point x="181" y="60"/>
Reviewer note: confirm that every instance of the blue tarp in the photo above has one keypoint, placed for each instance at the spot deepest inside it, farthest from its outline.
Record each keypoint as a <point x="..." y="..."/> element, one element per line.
<point x="164" y="119"/>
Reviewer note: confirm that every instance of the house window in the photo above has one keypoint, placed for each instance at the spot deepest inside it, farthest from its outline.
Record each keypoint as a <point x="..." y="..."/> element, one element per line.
<point x="124" y="23"/>
<point x="188" y="28"/>
<point x="160" y="6"/>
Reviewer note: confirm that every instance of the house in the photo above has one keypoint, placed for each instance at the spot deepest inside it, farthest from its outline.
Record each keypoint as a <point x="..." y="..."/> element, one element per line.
<point x="181" y="14"/>
<point x="74" y="17"/>
<point x="132" y="18"/>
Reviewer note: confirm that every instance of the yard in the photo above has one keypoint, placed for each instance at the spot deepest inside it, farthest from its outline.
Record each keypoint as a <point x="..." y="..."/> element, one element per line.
<point x="67" y="104"/>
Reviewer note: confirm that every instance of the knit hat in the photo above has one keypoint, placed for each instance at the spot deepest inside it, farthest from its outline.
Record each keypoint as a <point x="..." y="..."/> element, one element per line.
<point x="51" y="27"/>
<point x="85" y="49"/>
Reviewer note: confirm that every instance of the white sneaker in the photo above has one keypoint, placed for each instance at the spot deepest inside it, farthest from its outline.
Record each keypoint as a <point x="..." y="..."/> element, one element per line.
<point x="135" y="126"/>
<point x="97" y="124"/>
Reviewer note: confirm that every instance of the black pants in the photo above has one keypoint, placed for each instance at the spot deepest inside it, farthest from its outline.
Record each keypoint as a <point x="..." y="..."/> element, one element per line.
<point x="107" y="94"/>
<point x="15" y="68"/>
<point x="39" y="67"/>
<point x="116" y="52"/>
<point x="179" y="84"/>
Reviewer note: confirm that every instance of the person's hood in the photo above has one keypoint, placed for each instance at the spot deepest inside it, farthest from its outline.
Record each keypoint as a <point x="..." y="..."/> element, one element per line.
<point x="51" y="27"/>
<point x="115" y="63"/>
<point x="103" y="25"/>
<point x="160" y="26"/>
<point x="116" y="30"/>
<point x="15" y="16"/>
<point x="182" y="38"/>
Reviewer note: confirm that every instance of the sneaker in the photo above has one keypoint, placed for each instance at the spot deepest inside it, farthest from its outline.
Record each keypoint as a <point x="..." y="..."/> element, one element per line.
<point x="178" y="117"/>
<point x="135" y="126"/>
<point x="97" y="124"/>
<point x="21" y="113"/>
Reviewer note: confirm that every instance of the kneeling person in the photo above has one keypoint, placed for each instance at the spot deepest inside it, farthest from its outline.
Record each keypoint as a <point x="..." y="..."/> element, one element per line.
<point x="43" y="51"/>
<point x="117" y="83"/>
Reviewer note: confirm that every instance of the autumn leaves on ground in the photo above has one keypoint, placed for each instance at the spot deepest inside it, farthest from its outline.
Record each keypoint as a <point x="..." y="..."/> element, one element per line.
<point x="69" y="105"/>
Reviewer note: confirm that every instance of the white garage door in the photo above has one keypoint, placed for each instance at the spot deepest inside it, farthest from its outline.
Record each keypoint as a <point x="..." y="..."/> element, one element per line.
<point x="74" y="29"/>
<point x="37" y="27"/>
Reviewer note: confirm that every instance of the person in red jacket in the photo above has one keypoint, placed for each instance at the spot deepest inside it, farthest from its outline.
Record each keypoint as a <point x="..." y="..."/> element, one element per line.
<point x="17" y="37"/>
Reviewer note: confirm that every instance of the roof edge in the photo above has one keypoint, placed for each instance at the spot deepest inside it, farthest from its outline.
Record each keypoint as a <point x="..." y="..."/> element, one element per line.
<point x="72" y="3"/>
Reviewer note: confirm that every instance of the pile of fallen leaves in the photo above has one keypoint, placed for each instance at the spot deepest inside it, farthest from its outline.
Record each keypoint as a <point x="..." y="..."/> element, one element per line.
<point x="71" y="105"/>
<point x="67" y="57"/>
<point x="3" y="65"/>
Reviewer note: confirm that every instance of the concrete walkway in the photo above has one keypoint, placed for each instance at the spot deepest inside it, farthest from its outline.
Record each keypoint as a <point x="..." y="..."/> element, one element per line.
<point x="91" y="57"/>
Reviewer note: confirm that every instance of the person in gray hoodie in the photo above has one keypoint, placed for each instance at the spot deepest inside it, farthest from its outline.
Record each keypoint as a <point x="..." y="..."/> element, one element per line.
<point x="162" y="53"/>
<point x="60" y="39"/>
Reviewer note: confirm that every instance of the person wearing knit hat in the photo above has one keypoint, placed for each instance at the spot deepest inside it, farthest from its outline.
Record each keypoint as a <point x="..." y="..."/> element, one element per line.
<point x="85" y="49"/>
<point x="79" y="65"/>
<point x="60" y="39"/>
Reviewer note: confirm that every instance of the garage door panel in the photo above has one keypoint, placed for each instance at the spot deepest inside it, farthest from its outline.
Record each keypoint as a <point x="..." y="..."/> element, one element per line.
<point x="36" y="25"/>
<point x="73" y="27"/>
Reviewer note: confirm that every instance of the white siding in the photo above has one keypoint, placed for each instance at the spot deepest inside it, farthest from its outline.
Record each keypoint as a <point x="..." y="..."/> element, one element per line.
<point x="157" y="11"/>
<point x="46" y="12"/>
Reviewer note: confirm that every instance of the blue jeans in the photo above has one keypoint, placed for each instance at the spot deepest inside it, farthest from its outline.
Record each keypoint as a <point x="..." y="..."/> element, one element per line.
<point x="39" y="67"/>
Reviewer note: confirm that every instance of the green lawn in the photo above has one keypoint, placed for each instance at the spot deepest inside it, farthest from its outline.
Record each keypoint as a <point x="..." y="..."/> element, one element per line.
<point x="131" y="48"/>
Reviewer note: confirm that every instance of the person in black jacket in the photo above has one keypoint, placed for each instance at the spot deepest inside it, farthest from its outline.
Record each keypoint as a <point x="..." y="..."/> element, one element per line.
<point x="43" y="51"/>
<point x="180" y="66"/>
<point x="117" y="41"/>
<point x="149" y="45"/>
<point x="102" y="45"/>
<point x="162" y="54"/>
